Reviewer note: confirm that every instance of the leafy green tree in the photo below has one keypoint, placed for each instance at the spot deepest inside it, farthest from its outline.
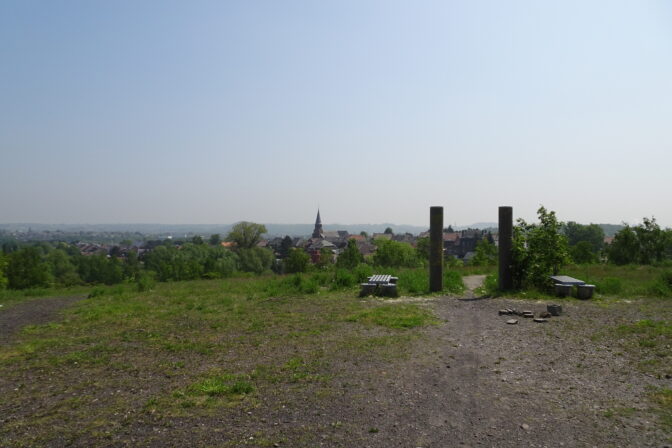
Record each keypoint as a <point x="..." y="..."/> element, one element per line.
<point x="221" y="262"/>
<point x="582" y="253"/>
<point x="100" y="269"/>
<point x="389" y="231"/>
<point x="395" y="254"/>
<point x="131" y="266"/>
<point x="215" y="239"/>
<point x="486" y="253"/>
<point x="255" y="259"/>
<point x="326" y="258"/>
<point x="422" y="249"/>
<point x="652" y="241"/>
<point x="26" y="269"/>
<point x="624" y="249"/>
<point x="350" y="257"/>
<point x="246" y="235"/>
<point x="297" y="261"/>
<point x="539" y="250"/>
<point x="197" y="239"/>
<point x="364" y="234"/>
<point x="591" y="234"/>
<point x="3" y="271"/>
<point x="62" y="268"/>
<point x="286" y="246"/>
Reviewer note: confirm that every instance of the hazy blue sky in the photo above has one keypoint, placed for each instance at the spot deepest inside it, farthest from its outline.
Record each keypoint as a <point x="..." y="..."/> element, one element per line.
<point x="215" y="112"/>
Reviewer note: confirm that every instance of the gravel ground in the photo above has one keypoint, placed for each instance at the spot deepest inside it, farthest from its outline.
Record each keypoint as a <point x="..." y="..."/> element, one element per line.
<point x="472" y="381"/>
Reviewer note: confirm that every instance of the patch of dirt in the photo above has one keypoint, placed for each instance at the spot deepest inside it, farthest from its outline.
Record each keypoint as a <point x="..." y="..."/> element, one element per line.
<point x="472" y="282"/>
<point x="32" y="312"/>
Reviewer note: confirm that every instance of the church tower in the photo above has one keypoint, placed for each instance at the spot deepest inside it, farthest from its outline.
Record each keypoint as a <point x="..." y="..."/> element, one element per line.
<point x="318" y="232"/>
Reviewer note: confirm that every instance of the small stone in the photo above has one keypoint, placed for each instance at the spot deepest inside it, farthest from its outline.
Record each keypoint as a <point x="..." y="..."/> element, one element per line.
<point x="512" y="321"/>
<point x="525" y="426"/>
<point x="545" y="315"/>
<point x="540" y="321"/>
<point x="528" y="315"/>
<point x="502" y="312"/>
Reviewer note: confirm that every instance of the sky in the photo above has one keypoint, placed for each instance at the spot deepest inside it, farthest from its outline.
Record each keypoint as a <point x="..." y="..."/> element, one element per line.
<point x="215" y="112"/>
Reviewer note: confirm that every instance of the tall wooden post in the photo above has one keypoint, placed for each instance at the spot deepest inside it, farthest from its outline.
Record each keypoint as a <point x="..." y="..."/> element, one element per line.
<point x="435" y="249"/>
<point x="505" y="246"/>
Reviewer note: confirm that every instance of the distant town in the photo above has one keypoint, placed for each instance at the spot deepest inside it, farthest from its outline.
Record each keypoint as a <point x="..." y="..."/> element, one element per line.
<point x="459" y="243"/>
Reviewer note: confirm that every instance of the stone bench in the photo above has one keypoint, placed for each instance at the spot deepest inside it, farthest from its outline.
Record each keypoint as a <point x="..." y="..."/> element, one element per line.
<point x="564" y="285"/>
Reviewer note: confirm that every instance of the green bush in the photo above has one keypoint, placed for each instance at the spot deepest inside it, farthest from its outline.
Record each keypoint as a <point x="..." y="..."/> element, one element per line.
<point x="414" y="281"/>
<point x="610" y="285"/>
<point x="146" y="281"/>
<point x="452" y="282"/>
<point x="344" y="279"/>
<point x="362" y="272"/>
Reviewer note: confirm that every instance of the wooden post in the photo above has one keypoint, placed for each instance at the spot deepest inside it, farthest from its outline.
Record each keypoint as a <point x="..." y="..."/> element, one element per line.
<point x="435" y="249"/>
<point x="505" y="246"/>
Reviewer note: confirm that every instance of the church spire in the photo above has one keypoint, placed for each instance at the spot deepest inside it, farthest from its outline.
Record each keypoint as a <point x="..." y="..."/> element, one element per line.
<point x="317" y="232"/>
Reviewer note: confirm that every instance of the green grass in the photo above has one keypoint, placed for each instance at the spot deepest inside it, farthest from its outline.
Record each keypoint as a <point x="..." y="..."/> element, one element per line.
<point x="629" y="281"/>
<point x="191" y="348"/>
<point x="394" y="316"/>
<point x="662" y="398"/>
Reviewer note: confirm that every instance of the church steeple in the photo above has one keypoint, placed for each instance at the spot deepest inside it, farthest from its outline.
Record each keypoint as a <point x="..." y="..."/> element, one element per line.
<point x="317" y="232"/>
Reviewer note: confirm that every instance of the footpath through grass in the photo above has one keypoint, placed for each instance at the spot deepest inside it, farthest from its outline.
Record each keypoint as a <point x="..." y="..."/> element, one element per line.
<point x="122" y="361"/>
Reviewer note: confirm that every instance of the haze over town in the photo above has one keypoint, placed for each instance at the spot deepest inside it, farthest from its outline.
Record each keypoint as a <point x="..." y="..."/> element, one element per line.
<point x="216" y="112"/>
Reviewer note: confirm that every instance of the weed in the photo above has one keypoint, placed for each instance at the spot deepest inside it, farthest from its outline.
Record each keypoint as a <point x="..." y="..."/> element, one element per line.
<point x="394" y="316"/>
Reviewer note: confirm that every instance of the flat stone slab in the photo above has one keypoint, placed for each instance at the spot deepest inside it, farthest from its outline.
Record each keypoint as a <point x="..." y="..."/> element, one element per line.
<point x="567" y="280"/>
<point x="512" y="321"/>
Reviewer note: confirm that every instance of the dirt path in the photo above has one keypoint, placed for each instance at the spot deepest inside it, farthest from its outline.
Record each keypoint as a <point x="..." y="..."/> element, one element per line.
<point x="33" y="312"/>
<point x="481" y="382"/>
<point x="472" y="282"/>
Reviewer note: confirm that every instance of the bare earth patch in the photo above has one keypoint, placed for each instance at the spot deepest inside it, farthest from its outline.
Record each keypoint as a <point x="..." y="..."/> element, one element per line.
<point x="32" y="312"/>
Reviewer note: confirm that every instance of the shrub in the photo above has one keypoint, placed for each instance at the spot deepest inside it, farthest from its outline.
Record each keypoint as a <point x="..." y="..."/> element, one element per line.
<point x="394" y="254"/>
<point x="297" y="261"/>
<point x="414" y="281"/>
<point x="362" y="272"/>
<point x="344" y="279"/>
<point x="610" y="285"/>
<point x="452" y="282"/>
<point x="146" y="281"/>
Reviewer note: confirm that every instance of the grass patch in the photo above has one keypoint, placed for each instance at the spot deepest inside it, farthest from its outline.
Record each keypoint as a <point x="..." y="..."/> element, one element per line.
<point x="150" y="353"/>
<point x="222" y="385"/>
<point x="394" y="316"/>
<point x="662" y="398"/>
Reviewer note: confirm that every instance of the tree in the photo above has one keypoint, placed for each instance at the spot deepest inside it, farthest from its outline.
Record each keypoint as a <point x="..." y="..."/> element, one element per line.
<point x="350" y="257"/>
<point x="297" y="261"/>
<point x="539" y="250"/>
<point x="255" y="259"/>
<point x="215" y="239"/>
<point x="646" y="243"/>
<point x="26" y="269"/>
<point x="62" y="269"/>
<point x="388" y="231"/>
<point x="486" y="253"/>
<point x="422" y="249"/>
<point x="326" y="258"/>
<point x="197" y="239"/>
<point x="591" y="234"/>
<point x="364" y="234"/>
<point x="286" y="246"/>
<point x="582" y="253"/>
<point x="3" y="272"/>
<point x="394" y="254"/>
<point x="246" y="235"/>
